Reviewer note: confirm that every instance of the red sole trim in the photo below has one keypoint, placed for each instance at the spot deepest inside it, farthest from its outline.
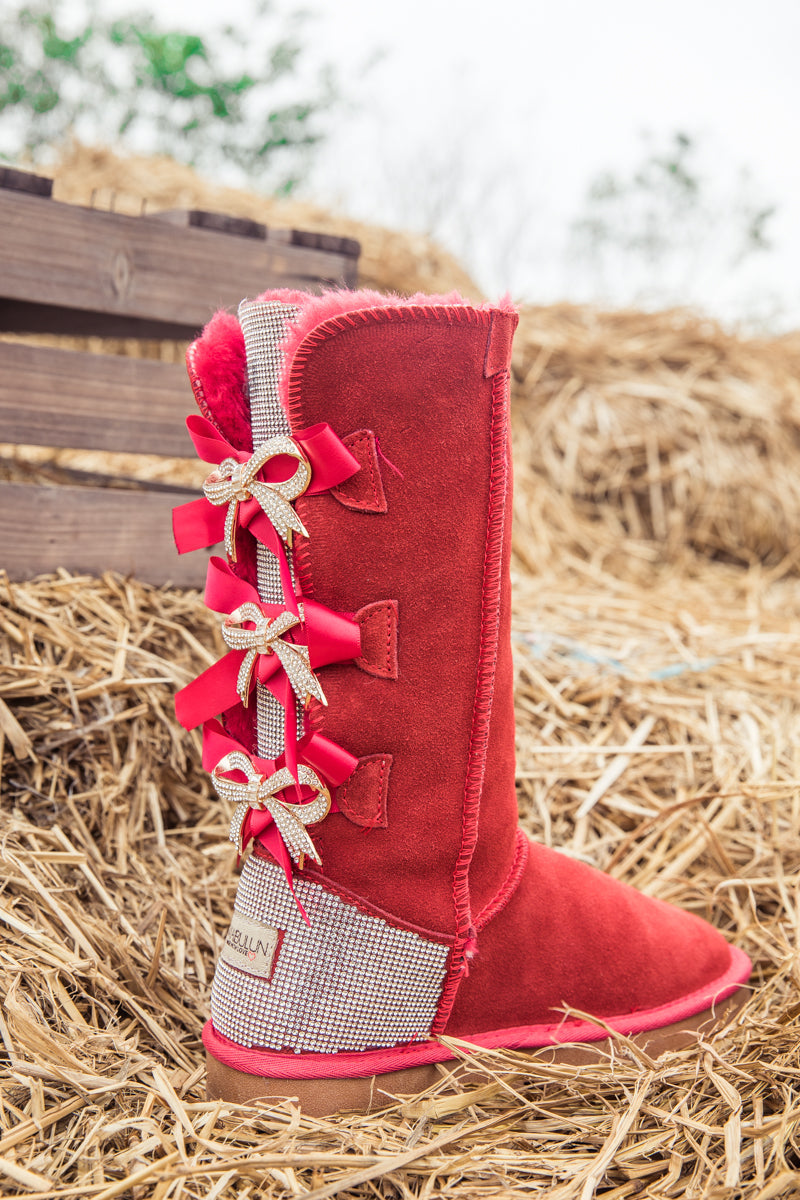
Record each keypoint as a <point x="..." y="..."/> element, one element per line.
<point x="271" y="1065"/>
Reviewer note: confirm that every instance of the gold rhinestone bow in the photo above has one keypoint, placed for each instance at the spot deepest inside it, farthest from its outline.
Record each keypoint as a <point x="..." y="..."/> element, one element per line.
<point x="267" y="638"/>
<point x="260" y="792"/>
<point x="233" y="482"/>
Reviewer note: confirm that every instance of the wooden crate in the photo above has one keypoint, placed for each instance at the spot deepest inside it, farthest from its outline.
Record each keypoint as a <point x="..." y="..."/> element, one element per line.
<point x="77" y="271"/>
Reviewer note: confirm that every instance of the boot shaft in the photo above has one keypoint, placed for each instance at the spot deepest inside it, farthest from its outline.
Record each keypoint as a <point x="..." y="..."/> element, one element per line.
<point x="414" y="906"/>
<point x="424" y="390"/>
<point x="418" y="539"/>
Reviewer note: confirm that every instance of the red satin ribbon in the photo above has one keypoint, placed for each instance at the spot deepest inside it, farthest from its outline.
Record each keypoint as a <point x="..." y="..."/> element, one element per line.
<point x="330" y="637"/>
<point x="333" y="764"/>
<point x="201" y="523"/>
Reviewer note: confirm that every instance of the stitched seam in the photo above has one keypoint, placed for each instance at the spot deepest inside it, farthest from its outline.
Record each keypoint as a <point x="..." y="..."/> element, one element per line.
<point x="381" y="799"/>
<point x="371" y="910"/>
<point x="482" y="709"/>
<point x="389" y="610"/>
<point x="197" y="386"/>
<point x="508" y="886"/>
<point x="375" y="316"/>
<point x="371" y="464"/>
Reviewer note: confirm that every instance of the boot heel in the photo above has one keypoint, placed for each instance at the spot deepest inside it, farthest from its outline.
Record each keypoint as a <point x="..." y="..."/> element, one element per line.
<point x="318" y="1097"/>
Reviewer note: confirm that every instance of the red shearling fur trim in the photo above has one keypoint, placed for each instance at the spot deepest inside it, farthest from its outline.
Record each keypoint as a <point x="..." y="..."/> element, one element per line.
<point x="482" y="710"/>
<point x="216" y="364"/>
<point x="218" y="356"/>
<point x="272" y="1065"/>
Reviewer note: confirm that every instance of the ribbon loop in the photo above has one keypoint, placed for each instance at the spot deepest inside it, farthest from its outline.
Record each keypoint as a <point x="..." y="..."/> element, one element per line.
<point x="234" y="483"/>
<point x="267" y="638"/>
<point x="261" y="792"/>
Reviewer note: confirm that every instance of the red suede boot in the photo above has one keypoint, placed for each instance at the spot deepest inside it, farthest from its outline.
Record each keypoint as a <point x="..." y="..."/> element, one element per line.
<point x="367" y="730"/>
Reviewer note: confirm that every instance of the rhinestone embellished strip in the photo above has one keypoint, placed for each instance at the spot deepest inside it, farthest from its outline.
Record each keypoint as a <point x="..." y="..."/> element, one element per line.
<point x="350" y="981"/>
<point x="264" y="325"/>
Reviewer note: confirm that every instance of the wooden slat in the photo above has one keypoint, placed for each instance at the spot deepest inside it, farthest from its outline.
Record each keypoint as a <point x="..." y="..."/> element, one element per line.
<point x="220" y="222"/>
<point x="24" y="181"/>
<point x="331" y="243"/>
<point x="94" y="530"/>
<point x="52" y="397"/>
<point x="61" y="255"/>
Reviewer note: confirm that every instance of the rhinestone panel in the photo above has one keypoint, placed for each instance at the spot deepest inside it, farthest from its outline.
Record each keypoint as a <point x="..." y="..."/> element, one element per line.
<point x="264" y="325"/>
<point x="349" y="982"/>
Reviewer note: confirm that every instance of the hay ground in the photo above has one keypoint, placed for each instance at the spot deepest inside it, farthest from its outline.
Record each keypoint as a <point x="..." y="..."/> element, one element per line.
<point x="657" y="635"/>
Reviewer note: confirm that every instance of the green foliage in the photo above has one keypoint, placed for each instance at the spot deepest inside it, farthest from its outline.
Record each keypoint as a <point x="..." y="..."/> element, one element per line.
<point x="133" y="84"/>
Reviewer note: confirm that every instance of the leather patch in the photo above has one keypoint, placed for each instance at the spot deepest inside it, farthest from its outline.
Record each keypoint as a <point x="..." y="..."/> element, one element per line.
<point x="362" y="798"/>
<point x="251" y="946"/>
<point x="378" y="625"/>
<point x="364" y="490"/>
<point x="498" y="344"/>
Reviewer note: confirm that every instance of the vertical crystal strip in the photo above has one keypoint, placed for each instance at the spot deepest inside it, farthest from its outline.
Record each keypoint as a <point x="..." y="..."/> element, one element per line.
<point x="264" y="324"/>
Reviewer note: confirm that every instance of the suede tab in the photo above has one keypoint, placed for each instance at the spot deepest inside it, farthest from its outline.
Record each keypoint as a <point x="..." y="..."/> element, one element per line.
<point x="378" y="625"/>
<point x="362" y="798"/>
<point x="363" y="491"/>
<point x="498" y="343"/>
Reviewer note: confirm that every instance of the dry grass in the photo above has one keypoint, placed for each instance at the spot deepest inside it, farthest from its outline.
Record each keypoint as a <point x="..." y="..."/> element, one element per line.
<point x="118" y="883"/>
<point x="657" y="631"/>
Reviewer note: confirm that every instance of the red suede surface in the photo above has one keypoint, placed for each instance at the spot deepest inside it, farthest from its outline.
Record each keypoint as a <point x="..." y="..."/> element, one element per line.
<point x="418" y="382"/>
<point x="571" y="935"/>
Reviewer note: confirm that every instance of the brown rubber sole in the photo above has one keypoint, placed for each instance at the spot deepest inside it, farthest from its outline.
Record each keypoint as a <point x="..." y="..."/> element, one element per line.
<point x="323" y="1097"/>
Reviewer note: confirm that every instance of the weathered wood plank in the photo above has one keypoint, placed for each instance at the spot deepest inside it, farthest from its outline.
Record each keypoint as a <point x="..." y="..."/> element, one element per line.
<point x="61" y="255"/>
<point x="221" y="222"/>
<point x="331" y="243"/>
<point x="25" y="181"/>
<point x="19" y="316"/>
<point x="52" y="397"/>
<point x="94" y="530"/>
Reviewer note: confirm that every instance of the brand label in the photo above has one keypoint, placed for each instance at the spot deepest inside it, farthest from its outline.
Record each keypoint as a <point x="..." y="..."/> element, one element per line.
<point x="251" y="946"/>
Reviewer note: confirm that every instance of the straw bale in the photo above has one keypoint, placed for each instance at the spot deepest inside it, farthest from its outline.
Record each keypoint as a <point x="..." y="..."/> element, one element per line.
<point x="118" y="881"/>
<point x="660" y="430"/>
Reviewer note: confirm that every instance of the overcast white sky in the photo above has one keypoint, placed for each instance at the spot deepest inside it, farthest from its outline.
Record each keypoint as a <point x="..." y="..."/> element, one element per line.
<point x="487" y="120"/>
<point x="542" y="96"/>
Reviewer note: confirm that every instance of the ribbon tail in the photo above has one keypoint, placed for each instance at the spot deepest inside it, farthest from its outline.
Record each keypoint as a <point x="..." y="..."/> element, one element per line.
<point x="271" y="840"/>
<point x="224" y="590"/>
<point x="209" y="443"/>
<point x="211" y="693"/>
<point x="197" y="524"/>
<point x="330" y="761"/>
<point x="263" y="530"/>
<point x="331" y="461"/>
